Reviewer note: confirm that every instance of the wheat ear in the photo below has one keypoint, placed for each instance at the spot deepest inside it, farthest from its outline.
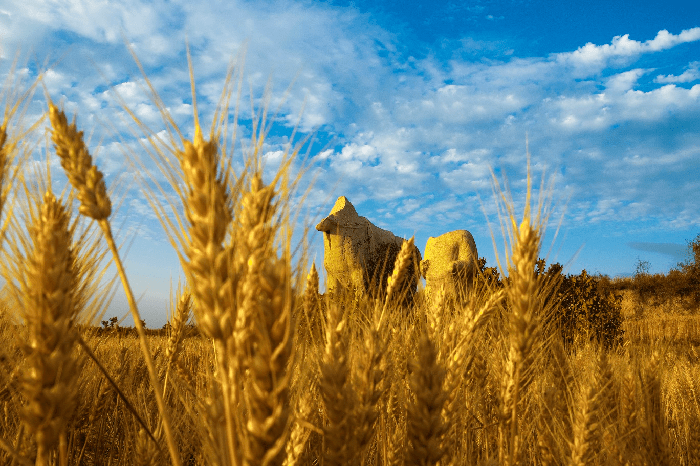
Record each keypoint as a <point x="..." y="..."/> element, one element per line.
<point x="310" y="324"/>
<point x="337" y="437"/>
<point x="524" y="328"/>
<point x="425" y="423"/>
<point x="369" y="385"/>
<point x="173" y="347"/>
<point x="396" y="282"/>
<point x="457" y="355"/>
<point x="77" y="163"/>
<point x="209" y="266"/>
<point x="267" y="289"/>
<point x="302" y="428"/>
<point x="586" y="426"/>
<point x="95" y="203"/>
<point x="628" y="423"/>
<point x="255" y="237"/>
<point x="394" y="431"/>
<point x="209" y="212"/>
<point x="263" y="327"/>
<point x="554" y="420"/>
<point x="182" y="314"/>
<point x="50" y="312"/>
<point x="146" y="453"/>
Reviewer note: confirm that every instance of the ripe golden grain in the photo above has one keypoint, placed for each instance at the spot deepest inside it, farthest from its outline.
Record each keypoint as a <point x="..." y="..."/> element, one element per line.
<point x="209" y="212"/>
<point x="524" y="333"/>
<point x="337" y="433"/>
<point x="183" y="311"/>
<point x="396" y="283"/>
<point x="267" y="352"/>
<point x="301" y="429"/>
<point x="51" y="378"/>
<point x="255" y="235"/>
<point x="425" y="424"/>
<point x="369" y="387"/>
<point x="310" y="322"/>
<point x="586" y="426"/>
<point x="77" y="163"/>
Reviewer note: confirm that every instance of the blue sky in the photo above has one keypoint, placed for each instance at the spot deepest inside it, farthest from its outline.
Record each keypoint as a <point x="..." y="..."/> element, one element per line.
<point x="412" y="104"/>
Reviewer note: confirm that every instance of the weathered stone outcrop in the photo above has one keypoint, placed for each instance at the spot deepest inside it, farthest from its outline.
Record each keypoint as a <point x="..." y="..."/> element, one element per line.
<point x="358" y="254"/>
<point x="450" y="261"/>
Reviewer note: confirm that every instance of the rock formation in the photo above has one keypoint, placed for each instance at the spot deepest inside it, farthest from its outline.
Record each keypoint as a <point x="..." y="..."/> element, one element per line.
<point x="450" y="261"/>
<point x="358" y="254"/>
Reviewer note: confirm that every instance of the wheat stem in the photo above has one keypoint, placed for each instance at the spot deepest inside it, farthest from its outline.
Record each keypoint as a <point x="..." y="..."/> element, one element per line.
<point x="155" y="382"/>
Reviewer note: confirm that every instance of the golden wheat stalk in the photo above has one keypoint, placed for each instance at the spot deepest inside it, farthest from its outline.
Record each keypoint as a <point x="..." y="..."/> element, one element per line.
<point x="209" y="213"/>
<point x="182" y="314"/>
<point x="173" y="347"/>
<point x="436" y="309"/>
<point x="302" y="428"/>
<point x="337" y="434"/>
<point x="267" y="289"/>
<point x="209" y="265"/>
<point x="369" y="385"/>
<point x="396" y="281"/>
<point x="456" y="355"/>
<point x="523" y="323"/>
<point x="586" y="427"/>
<point x="554" y="421"/>
<point x="524" y="332"/>
<point x="394" y="429"/>
<point x="310" y="323"/>
<point x="255" y="243"/>
<point x="50" y="312"/>
<point x="77" y="163"/>
<point x="546" y="438"/>
<point x="95" y="203"/>
<point x="425" y="424"/>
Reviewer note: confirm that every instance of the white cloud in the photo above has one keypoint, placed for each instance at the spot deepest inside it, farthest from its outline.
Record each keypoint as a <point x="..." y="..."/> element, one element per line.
<point x="623" y="82"/>
<point x="692" y="73"/>
<point x="591" y="59"/>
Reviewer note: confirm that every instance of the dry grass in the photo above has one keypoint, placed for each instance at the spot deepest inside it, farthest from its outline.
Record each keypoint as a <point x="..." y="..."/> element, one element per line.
<point x="281" y="374"/>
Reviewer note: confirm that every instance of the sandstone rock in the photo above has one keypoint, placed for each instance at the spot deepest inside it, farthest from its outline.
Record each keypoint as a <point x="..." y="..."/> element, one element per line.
<point x="450" y="261"/>
<point x="358" y="254"/>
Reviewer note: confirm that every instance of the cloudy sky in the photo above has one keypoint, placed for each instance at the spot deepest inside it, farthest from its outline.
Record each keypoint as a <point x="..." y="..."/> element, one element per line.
<point x="412" y="105"/>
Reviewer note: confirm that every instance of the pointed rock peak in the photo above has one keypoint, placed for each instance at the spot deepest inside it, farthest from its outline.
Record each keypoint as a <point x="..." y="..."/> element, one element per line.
<point x="344" y="207"/>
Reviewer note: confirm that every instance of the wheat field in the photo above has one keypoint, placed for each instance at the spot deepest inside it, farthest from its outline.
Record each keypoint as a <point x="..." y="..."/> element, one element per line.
<point x="277" y="373"/>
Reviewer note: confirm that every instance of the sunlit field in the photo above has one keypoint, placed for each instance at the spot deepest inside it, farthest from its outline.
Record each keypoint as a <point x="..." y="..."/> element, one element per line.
<point x="525" y="365"/>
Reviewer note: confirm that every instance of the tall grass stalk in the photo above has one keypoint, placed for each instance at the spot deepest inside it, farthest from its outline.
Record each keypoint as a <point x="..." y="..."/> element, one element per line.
<point x="524" y="326"/>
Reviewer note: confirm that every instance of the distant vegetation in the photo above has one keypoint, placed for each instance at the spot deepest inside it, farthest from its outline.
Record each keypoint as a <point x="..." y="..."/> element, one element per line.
<point x="536" y="368"/>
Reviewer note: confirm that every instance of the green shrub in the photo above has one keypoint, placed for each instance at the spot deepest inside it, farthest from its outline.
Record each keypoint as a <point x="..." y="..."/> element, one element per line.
<point x="583" y="306"/>
<point x="586" y="309"/>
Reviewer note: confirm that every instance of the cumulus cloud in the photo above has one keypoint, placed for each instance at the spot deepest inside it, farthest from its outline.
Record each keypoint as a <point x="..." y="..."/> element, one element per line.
<point x="692" y="73"/>
<point x="591" y="59"/>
